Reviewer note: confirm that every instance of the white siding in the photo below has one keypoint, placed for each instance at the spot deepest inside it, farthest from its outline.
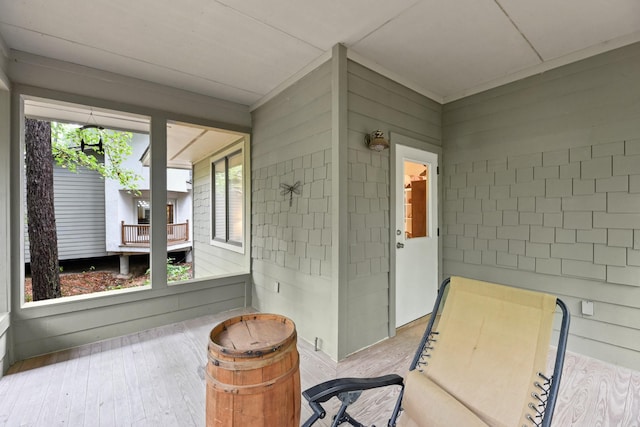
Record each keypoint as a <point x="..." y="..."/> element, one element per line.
<point x="80" y="218"/>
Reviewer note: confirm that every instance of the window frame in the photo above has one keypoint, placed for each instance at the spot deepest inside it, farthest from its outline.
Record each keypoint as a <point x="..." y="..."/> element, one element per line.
<point x="226" y="243"/>
<point x="158" y="192"/>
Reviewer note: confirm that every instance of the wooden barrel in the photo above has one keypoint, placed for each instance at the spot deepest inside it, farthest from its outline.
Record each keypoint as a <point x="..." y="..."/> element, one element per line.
<point x="253" y="376"/>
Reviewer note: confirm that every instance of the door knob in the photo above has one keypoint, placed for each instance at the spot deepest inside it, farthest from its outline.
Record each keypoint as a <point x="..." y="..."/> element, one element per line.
<point x="399" y="245"/>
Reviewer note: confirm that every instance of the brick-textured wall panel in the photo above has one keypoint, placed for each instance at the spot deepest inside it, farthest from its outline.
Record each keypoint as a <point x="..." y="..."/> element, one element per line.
<point x="507" y="260"/>
<point x="555" y="158"/>
<point x="626" y="165"/>
<point x="624" y="275"/>
<point x="368" y="210"/>
<point x="517" y="247"/>
<point x="505" y="177"/>
<point x="583" y="187"/>
<point x="558" y="187"/>
<point x="542" y="234"/>
<point x="616" y="220"/>
<point x="613" y="184"/>
<point x="583" y="269"/>
<point x="596" y="235"/>
<point x="524" y="174"/>
<point x="526" y="263"/>
<point x="524" y="161"/>
<point x="623" y="203"/>
<point x="578" y="154"/>
<point x="592" y="202"/>
<point x="610" y="149"/>
<point x="571" y="212"/>
<point x="633" y="257"/>
<point x="578" y="220"/>
<point x="572" y="170"/>
<point x="293" y="232"/>
<point x="608" y="255"/>
<point x="632" y="147"/>
<point x="620" y="238"/>
<point x="548" y="266"/>
<point x="596" y="168"/>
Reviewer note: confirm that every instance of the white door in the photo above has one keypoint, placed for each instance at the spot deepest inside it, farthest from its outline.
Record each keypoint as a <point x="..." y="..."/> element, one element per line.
<point x="416" y="235"/>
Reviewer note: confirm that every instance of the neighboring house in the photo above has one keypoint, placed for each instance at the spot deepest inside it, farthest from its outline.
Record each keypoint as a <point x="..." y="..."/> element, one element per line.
<point x="128" y="226"/>
<point x="96" y="217"/>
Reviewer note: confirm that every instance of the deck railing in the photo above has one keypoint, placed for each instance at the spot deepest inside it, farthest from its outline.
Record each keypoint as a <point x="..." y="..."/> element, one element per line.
<point x="138" y="234"/>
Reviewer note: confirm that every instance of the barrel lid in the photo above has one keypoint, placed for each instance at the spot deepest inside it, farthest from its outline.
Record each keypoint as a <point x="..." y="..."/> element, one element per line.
<point x="252" y="334"/>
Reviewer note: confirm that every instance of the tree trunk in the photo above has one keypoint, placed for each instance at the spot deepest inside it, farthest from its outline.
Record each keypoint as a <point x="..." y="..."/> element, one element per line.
<point x="43" y="237"/>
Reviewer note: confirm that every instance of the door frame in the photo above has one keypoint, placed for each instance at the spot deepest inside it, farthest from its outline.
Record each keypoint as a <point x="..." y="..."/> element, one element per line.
<point x="399" y="139"/>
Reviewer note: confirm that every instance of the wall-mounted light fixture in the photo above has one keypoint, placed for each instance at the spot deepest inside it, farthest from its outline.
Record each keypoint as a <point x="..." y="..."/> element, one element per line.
<point x="376" y="141"/>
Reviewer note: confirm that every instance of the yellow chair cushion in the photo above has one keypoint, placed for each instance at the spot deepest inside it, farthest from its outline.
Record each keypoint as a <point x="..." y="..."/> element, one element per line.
<point x="425" y="404"/>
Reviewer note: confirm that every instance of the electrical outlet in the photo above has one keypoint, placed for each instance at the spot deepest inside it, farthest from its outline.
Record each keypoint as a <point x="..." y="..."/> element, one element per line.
<point x="587" y="308"/>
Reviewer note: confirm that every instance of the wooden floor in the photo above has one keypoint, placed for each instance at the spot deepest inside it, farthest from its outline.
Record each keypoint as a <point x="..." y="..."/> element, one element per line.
<point x="156" y="378"/>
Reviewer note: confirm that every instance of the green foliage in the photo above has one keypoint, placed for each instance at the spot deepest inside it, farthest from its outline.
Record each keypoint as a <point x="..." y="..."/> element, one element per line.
<point x="175" y="272"/>
<point x="116" y="148"/>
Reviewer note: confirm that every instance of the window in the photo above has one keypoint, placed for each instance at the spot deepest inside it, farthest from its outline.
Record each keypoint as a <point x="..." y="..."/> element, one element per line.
<point x="228" y="198"/>
<point x="207" y="178"/>
<point x="144" y="211"/>
<point x="112" y="226"/>
<point x="416" y="200"/>
<point x="96" y="175"/>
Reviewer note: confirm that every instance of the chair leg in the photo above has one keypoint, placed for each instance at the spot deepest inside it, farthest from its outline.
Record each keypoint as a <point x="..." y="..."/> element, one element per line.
<point x="318" y="413"/>
<point x="347" y="399"/>
<point x="346" y="418"/>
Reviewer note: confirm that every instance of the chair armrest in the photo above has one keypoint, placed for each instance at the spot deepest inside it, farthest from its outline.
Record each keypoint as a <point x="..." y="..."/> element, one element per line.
<point x="328" y="389"/>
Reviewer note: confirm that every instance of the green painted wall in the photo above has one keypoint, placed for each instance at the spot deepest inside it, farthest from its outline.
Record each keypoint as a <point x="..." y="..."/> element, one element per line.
<point x="542" y="191"/>
<point x="329" y="250"/>
<point x="291" y="236"/>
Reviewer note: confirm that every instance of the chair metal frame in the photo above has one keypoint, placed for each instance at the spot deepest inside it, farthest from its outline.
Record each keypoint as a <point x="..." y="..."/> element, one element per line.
<point x="348" y="390"/>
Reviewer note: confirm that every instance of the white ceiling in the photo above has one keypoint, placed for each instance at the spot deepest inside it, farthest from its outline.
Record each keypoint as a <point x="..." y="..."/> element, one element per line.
<point x="243" y="50"/>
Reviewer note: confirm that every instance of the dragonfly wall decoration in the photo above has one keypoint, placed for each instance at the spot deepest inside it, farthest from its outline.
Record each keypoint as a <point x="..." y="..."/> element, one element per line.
<point x="290" y="190"/>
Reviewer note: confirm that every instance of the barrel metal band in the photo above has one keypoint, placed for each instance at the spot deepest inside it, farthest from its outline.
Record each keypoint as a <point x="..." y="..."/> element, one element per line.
<point x="253" y="388"/>
<point x="250" y="364"/>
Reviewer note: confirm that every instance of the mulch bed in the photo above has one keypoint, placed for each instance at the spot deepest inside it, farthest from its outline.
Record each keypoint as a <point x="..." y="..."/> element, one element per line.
<point x="90" y="282"/>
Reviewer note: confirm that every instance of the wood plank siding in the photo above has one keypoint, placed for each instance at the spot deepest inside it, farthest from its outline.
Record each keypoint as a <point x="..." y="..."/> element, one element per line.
<point x="291" y="244"/>
<point x="541" y="192"/>
<point x="376" y="102"/>
<point x="80" y="214"/>
<point x="289" y="132"/>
